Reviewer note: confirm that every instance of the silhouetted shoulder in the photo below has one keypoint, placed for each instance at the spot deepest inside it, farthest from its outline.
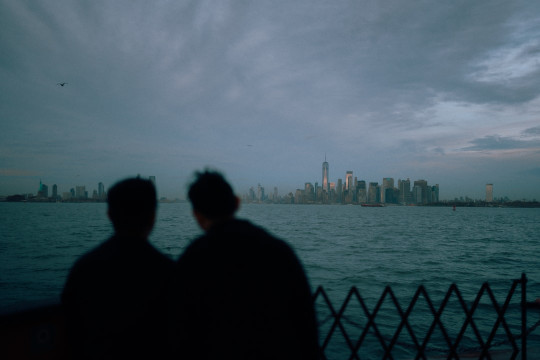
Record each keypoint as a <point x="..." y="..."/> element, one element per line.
<point x="114" y="299"/>
<point x="240" y="290"/>
<point x="114" y="253"/>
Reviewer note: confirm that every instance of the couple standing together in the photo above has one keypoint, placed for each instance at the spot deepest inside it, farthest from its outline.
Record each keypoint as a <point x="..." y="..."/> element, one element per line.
<point x="236" y="292"/>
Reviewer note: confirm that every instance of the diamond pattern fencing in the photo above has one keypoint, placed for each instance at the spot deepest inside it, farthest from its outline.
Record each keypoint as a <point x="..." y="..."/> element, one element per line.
<point x="452" y="329"/>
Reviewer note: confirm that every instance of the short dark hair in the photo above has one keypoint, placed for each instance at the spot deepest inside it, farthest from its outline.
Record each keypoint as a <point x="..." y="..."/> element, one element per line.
<point x="211" y="195"/>
<point x="132" y="203"/>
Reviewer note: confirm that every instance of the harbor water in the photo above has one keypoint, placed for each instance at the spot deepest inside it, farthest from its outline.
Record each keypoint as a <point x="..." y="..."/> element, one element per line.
<point x="339" y="246"/>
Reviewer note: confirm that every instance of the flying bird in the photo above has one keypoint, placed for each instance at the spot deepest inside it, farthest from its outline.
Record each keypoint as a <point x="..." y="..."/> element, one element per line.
<point x="62" y="84"/>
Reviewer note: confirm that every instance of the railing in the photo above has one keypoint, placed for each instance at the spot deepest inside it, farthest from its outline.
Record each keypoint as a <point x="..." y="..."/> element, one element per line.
<point x="486" y="329"/>
<point x="354" y="332"/>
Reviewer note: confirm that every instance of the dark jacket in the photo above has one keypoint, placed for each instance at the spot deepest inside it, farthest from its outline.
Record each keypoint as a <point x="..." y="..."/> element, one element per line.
<point x="240" y="293"/>
<point x="114" y="301"/>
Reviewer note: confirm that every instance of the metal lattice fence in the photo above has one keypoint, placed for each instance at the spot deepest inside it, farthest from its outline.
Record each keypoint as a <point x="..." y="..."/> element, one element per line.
<point x="483" y="329"/>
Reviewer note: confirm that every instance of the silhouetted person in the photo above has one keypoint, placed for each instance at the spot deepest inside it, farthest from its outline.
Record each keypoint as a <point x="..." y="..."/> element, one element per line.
<point x="239" y="292"/>
<point x="114" y="295"/>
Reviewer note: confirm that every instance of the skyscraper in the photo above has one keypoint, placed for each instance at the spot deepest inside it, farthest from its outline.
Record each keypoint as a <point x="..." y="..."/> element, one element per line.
<point x="489" y="192"/>
<point x="372" y="192"/>
<point x="325" y="182"/>
<point x="387" y="183"/>
<point x="405" y="191"/>
<point x="349" y="180"/>
<point x="420" y="198"/>
<point x="417" y="194"/>
<point x="361" y="195"/>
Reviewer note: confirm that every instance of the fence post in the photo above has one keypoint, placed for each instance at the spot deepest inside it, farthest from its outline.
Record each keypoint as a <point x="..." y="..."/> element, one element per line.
<point x="523" y="316"/>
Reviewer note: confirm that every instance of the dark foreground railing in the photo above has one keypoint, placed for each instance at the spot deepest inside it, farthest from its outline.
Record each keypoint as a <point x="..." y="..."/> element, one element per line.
<point x="483" y="329"/>
<point x="487" y="329"/>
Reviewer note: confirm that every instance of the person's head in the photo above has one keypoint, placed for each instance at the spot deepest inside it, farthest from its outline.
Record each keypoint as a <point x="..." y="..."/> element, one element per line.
<point x="212" y="198"/>
<point x="132" y="206"/>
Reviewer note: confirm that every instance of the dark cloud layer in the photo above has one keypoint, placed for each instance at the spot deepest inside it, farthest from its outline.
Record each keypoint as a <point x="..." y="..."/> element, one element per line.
<point x="384" y="89"/>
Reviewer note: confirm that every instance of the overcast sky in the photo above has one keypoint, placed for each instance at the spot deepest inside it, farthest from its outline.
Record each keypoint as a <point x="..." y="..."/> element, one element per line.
<point x="445" y="91"/>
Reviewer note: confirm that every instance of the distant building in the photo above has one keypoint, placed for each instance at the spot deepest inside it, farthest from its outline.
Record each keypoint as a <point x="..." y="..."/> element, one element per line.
<point x="309" y="193"/>
<point x="325" y="174"/>
<point x="429" y="195"/>
<point x="422" y="184"/>
<point x="361" y="192"/>
<point x="339" y="190"/>
<point x="489" y="192"/>
<point x="260" y="193"/>
<point x="43" y="191"/>
<point x="435" y="193"/>
<point x="390" y="195"/>
<point x="298" y="196"/>
<point x="417" y="194"/>
<point x="320" y="196"/>
<point x="373" y="193"/>
<point x="387" y="183"/>
<point x="101" y="191"/>
<point x="251" y="194"/>
<point x="55" y="192"/>
<point x="404" y="191"/>
<point x="349" y="180"/>
<point x="80" y="192"/>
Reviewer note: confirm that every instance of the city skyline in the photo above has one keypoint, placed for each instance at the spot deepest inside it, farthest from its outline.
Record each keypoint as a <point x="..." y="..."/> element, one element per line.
<point x="351" y="191"/>
<point x="387" y="183"/>
<point x="99" y="193"/>
<point x="79" y="192"/>
<point x="431" y="90"/>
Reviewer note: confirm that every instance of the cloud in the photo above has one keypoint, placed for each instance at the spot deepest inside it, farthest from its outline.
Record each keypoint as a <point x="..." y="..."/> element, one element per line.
<point x="169" y="87"/>
<point x="534" y="131"/>
<point x="495" y="142"/>
<point x="507" y="65"/>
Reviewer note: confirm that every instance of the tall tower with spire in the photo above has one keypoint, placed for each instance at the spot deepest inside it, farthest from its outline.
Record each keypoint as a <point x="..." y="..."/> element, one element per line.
<point x="325" y="182"/>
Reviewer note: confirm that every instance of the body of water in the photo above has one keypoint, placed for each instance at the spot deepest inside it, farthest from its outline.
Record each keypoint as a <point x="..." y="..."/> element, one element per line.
<point x="340" y="246"/>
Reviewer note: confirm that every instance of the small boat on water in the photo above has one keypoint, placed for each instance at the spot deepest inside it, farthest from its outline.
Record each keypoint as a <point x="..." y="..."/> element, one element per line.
<point x="372" y="205"/>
